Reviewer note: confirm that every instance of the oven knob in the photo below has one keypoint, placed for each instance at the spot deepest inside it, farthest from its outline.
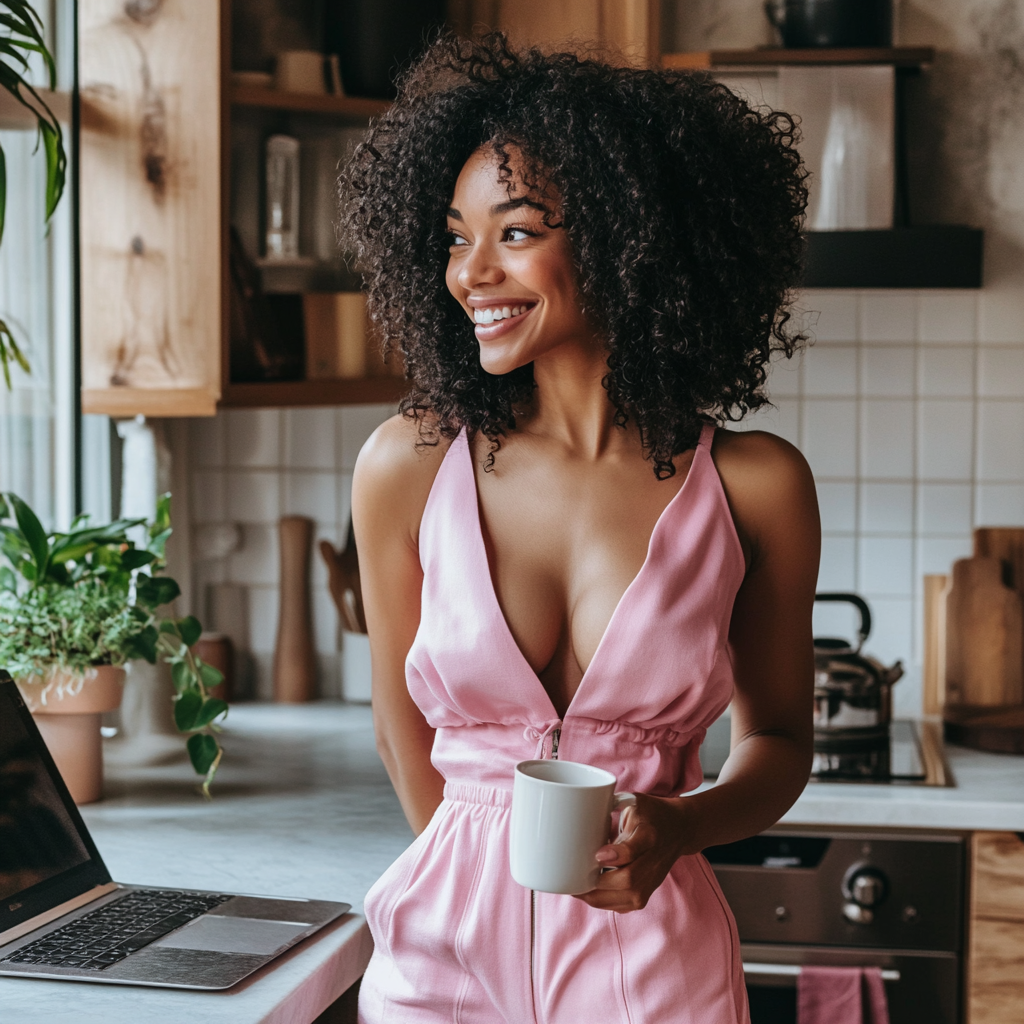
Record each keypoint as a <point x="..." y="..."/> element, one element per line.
<point x="864" y="888"/>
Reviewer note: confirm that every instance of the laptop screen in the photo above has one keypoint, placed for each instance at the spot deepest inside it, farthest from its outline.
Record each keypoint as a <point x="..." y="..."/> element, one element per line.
<point x="46" y="853"/>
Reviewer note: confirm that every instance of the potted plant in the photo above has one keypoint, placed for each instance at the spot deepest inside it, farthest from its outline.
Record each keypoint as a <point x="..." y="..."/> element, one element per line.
<point x="74" y="608"/>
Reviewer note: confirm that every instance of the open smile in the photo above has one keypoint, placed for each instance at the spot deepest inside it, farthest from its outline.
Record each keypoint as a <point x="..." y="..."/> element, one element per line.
<point x="494" y="321"/>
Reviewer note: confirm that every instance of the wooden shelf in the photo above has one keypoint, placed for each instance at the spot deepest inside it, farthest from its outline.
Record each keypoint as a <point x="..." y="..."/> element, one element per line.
<point x="280" y="394"/>
<point x="307" y="103"/>
<point x="900" y="56"/>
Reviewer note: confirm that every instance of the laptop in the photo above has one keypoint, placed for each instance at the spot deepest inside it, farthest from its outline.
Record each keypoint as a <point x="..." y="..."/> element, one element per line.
<point x="63" y="918"/>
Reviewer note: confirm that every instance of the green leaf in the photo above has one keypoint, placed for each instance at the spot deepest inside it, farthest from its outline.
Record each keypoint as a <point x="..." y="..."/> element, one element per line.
<point x="210" y="676"/>
<point x="136" y="558"/>
<point x="202" y="752"/>
<point x="153" y="591"/>
<point x="181" y="676"/>
<point x="186" y="711"/>
<point x="163" y="515"/>
<point x="170" y="627"/>
<point x="34" y="535"/>
<point x="5" y="512"/>
<point x="211" y="709"/>
<point x="8" y="581"/>
<point x="143" y="645"/>
<point x="189" y="630"/>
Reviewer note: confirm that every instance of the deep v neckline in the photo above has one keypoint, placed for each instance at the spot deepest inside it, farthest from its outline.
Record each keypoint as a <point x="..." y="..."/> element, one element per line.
<point x="492" y="590"/>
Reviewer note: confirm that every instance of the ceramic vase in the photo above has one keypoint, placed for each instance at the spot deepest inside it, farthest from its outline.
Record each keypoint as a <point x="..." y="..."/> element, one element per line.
<point x="67" y="709"/>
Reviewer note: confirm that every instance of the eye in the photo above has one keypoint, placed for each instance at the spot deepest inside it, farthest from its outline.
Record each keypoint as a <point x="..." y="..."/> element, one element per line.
<point x="456" y="241"/>
<point x="517" y="234"/>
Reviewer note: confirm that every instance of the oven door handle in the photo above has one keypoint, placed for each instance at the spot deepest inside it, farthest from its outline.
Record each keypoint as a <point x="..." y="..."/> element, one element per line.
<point x="793" y="971"/>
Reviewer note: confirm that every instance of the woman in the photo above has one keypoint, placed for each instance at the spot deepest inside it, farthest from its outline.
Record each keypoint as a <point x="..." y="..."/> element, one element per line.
<point x="585" y="267"/>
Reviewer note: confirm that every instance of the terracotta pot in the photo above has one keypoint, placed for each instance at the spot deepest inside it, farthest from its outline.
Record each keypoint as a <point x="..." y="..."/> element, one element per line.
<point x="67" y="709"/>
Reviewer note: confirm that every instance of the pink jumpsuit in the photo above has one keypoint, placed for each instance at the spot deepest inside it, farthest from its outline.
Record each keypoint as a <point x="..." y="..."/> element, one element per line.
<point x="456" y="939"/>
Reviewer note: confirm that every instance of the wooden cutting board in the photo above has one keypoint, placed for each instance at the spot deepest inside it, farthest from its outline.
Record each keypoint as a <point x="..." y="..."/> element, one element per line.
<point x="1007" y="544"/>
<point x="984" y="636"/>
<point x="999" y="730"/>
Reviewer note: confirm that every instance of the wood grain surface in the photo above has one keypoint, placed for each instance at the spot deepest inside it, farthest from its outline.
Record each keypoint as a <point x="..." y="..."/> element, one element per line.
<point x="984" y="636"/>
<point x="294" y="653"/>
<point x="995" y="974"/>
<point x="150" y="206"/>
<point x="933" y="671"/>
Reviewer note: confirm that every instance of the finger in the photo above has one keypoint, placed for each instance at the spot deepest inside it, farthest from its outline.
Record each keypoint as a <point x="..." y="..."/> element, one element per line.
<point x="619" y="902"/>
<point x="641" y="840"/>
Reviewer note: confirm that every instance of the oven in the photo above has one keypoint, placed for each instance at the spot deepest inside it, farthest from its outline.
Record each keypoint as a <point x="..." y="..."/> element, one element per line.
<point x="849" y="898"/>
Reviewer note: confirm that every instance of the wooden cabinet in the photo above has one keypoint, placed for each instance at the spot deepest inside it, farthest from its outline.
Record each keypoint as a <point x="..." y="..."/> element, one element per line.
<point x="995" y="973"/>
<point x="151" y="225"/>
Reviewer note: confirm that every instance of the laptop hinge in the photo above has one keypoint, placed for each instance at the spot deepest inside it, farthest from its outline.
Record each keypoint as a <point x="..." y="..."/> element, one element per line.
<point x="59" y="911"/>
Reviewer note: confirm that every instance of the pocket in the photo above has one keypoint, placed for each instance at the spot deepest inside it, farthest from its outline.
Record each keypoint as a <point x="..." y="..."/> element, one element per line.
<point x="384" y="894"/>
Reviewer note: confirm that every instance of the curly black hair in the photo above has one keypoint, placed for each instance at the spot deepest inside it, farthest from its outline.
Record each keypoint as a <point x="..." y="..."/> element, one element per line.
<point x="683" y="208"/>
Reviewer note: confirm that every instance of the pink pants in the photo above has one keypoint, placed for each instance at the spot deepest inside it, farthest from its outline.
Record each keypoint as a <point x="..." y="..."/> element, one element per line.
<point x="456" y="939"/>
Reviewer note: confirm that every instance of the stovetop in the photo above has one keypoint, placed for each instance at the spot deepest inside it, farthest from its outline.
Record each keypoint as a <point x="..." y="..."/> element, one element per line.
<point x="913" y="758"/>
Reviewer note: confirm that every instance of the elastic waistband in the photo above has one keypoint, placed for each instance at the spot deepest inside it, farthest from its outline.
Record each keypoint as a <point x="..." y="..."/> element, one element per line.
<point x="469" y="794"/>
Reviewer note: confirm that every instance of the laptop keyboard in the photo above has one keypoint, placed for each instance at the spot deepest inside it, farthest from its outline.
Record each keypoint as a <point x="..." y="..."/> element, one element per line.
<point x="103" y="937"/>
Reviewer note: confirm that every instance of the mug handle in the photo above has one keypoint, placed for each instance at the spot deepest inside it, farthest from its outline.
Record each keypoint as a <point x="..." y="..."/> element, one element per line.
<point x="621" y="800"/>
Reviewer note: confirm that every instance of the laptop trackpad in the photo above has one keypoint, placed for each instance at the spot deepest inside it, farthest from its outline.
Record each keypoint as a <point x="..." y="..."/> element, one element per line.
<point x="233" y="935"/>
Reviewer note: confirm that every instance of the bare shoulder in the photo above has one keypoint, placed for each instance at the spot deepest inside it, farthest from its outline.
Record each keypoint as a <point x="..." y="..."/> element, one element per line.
<point x="769" y="486"/>
<point x="394" y="473"/>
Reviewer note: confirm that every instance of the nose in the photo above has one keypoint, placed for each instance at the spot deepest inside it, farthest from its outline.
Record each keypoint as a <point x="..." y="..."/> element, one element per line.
<point x="481" y="267"/>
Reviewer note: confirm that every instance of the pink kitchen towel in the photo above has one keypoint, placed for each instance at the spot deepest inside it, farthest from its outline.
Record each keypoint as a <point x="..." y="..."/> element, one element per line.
<point x="841" y="995"/>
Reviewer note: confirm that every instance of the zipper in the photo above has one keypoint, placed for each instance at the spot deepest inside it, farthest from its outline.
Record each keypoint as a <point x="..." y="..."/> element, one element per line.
<point x="556" y="735"/>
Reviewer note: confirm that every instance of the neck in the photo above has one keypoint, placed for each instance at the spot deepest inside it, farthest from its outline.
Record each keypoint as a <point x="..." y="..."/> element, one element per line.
<point x="570" y="404"/>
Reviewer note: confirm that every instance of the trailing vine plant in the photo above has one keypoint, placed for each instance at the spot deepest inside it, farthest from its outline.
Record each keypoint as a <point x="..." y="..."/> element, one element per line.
<point x="21" y="35"/>
<point x="91" y="596"/>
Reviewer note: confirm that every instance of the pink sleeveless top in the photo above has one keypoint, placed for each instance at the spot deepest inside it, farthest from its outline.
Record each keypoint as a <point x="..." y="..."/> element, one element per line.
<point x="660" y="676"/>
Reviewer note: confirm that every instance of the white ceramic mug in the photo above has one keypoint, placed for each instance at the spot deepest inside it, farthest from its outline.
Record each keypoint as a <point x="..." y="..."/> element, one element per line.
<point x="560" y="819"/>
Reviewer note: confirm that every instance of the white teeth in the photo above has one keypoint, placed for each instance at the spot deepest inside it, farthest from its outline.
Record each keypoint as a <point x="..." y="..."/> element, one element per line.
<point x="490" y="316"/>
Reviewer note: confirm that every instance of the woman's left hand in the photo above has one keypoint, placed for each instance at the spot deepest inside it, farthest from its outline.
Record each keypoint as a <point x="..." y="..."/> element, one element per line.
<point x="652" y="837"/>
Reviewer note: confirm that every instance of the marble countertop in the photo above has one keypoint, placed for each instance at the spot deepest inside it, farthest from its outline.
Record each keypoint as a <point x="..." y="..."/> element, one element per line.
<point x="301" y="807"/>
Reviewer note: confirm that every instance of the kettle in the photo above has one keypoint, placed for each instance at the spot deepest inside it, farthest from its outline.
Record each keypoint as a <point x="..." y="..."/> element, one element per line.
<point x="852" y="692"/>
<point x="843" y="23"/>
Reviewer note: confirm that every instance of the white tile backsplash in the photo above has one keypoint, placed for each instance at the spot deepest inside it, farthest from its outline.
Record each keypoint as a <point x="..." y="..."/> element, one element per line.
<point x="946" y="440"/>
<point x="829" y="316"/>
<point x="838" y="568"/>
<point x="311" y="494"/>
<point x="937" y="554"/>
<point x="254" y="496"/>
<point x="209" y="497"/>
<point x="358" y="422"/>
<point x="837" y="504"/>
<point x="947" y="316"/>
<point x="887" y="508"/>
<point x="311" y="438"/>
<point x="253" y="437"/>
<point x="944" y="508"/>
<point x="946" y="372"/>
<point x="888" y="316"/>
<point x="887" y="439"/>
<point x="1000" y="372"/>
<point x="1001" y="441"/>
<point x="886" y="566"/>
<point x="1000" y="505"/>
<point x="207" y="441"/>
<point x="887" y="371"/>
<point x="830" y="370"/>
<point x="263" y="605"/>
<point x="830" y="436"/>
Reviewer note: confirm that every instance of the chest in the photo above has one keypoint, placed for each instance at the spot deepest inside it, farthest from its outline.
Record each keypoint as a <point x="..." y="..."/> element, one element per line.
<point x="564" y="541"/>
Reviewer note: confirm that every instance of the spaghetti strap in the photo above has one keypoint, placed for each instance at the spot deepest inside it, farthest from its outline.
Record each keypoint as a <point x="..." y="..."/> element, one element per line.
<point x="706" y="434"/>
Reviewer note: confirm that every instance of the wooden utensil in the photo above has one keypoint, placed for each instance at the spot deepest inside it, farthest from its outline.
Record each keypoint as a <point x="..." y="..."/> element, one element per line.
<point x="933" y="675"/>
<point x="343" y="582"/>
<point x="1007" y="544"/>
<point x="295" y="653"/>
<point x="984" y="636"/>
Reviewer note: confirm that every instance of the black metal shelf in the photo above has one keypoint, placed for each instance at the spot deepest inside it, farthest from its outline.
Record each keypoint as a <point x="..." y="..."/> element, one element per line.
<point x="932" y="256"/>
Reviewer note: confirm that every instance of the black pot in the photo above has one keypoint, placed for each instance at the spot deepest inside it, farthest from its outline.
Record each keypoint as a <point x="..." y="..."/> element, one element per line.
<point x="841" y="23"/>
<point x="374" y="39"/>
<point x="852" y="692"/>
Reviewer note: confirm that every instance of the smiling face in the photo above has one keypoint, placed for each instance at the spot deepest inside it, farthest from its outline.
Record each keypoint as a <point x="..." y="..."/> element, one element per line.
<point x="510" y="271"/>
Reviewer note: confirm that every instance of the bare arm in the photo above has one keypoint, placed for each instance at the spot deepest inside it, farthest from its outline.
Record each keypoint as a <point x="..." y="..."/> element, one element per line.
<point x="389" y="491"/>
<point x="771" y="493"/>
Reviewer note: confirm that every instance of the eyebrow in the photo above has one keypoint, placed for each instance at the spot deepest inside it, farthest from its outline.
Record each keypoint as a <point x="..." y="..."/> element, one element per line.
<point x="506" y="207"/>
